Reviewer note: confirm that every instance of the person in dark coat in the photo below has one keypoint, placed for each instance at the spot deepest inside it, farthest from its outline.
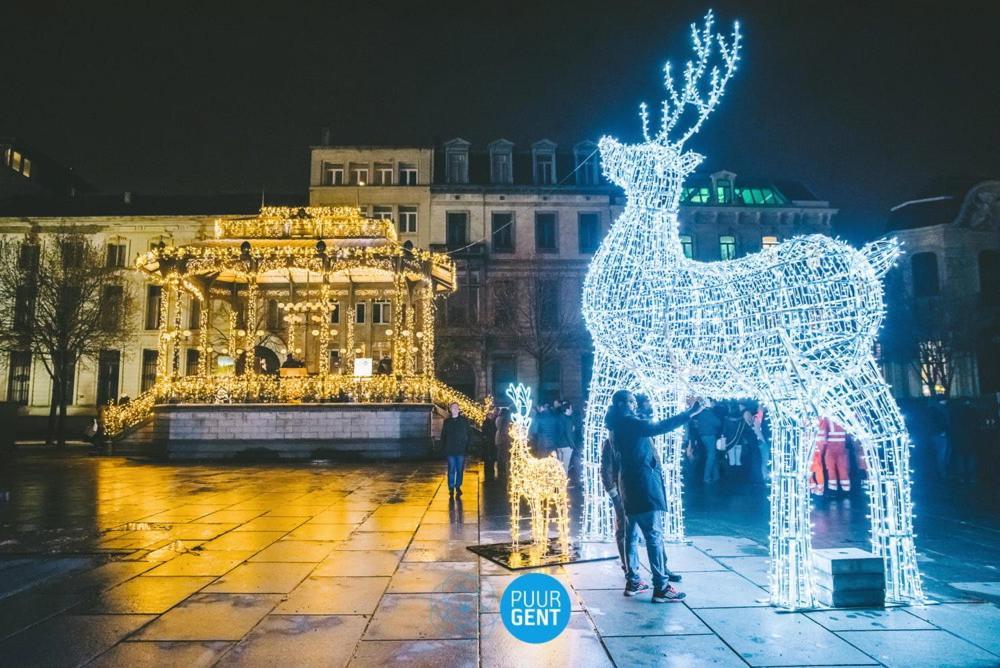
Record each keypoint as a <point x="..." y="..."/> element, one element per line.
<point x="640" y="482"/>
<point x="706" y="428"/>
<point x="489" y="432"/>
<point x="545" y="431"/>
<point x="455" y="444"/>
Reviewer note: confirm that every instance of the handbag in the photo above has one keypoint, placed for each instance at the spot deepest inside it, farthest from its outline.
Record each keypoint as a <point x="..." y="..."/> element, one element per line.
<point x="721" y="444"/>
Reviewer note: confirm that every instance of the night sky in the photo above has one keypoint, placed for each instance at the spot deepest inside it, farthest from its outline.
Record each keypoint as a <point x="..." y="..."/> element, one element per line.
<point x="867" y="105"/>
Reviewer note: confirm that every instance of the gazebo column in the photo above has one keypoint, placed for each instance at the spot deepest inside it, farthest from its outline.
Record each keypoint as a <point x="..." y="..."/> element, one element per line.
<point x="398" y="345"/>
<point x="410" y="324"/>
<point x="163" y="345"/>
<point x="324" y="327"/>
<point x="175" y="337"/>
<point x="250" y="340"/>
<point x="427" y="326"/>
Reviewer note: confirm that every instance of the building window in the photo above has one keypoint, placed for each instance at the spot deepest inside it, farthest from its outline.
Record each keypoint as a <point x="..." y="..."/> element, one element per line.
<point x="934" y="368"/>
<point x="149" y="358"/>
<point x="727" y="247"/>
<point x="383" y="174"/>
<point x="504" y="297"/>
<point x="550" y="380"/>
<point x="15" y="161"/>
<point x="546" y="240"/>
<point x="589" y="225"/>
<point x="28" y="258"/>
<point x="381" y="314"/>
<point x="407" y="174"/>
<point x="687" y="246"/>
<point x="382" y="212"/>
<point x="333" y="174"/>
<point x="111" y="307"/>
<point x="154" y="294"/>
<point x="109" y="364"/>
<point x="500" y="167"/>
<point x="194" y="313"/>
<point x="359" y="174"/>
<point x="116" y="256"/>
<point x="548" y="304"/>
<point x="587" y="169"/>
<point x="24" y="308"/>
<point x="502" y="228"/>
<point x="363" y="210"/>
<point x="724" y="191"/>
<point x="360" y="312"/>
<point x="504" y="375"/>
<point x="335" y="313"/>
<point x="407" y="220"/>
<point x="458" y="167"/>
<point x="193" y="357"/>
<point x="456" y="229"/>
<point x="19" y="377"/>
<point x="72" y="253"/>
<point x="69" y="387"/>
<point x="925" y="275"/>
<point x="768" y="242"/>
<point x="26" y="168"/>
<point x="545" y="169"/>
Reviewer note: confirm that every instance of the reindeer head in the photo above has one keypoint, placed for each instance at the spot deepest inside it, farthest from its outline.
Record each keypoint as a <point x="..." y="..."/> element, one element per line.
<point x="657" y="167"/>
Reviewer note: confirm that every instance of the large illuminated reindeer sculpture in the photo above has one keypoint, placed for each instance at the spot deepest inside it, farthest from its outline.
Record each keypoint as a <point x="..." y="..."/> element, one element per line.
<point x="793" y="326"/>
<point x="541" y="482"/>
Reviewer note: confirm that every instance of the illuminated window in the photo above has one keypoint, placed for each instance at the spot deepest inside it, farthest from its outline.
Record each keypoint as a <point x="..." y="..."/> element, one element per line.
<point x="15" y="161"/>
<point x="383" y="174"/>
<point x="407" y="174"/>
<point x="727" y="247"/>
<point x="359" y="175"/>
<point x="333" y="174"/>
<point x="935" y="369"/>
<point x="697" y="195"/>
<point x="407" y="220"/>
<point x="724" y="191"/>
<point x="381" y="314"/>
<point x="768" y="242"/>
<point x="26" y="167"/>
<point x="687" y="245"/>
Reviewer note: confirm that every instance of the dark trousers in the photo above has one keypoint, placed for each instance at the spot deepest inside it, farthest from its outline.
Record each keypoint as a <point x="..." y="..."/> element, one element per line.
<point x="456" y="468"/>
<point x="651" y="525"/>
<point x="489" y="462"/>
<point x="620" y="522"/>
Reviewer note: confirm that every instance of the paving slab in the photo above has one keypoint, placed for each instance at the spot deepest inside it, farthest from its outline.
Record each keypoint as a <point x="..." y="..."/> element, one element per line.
<point x="23" y="610"/>
<point x="721" y="589"/>
<point x="429" y="577"/>
<point x="202" y="563"/>
<point x="920" y="649"/>
<point x="355" y="563"/>
<point x="436" y="550"/>
<point x="893" y="619"/>
<point x="424" y="616"/>
<point x="755" y="569"/>
<point x="334" y="596"/>
<point x="311" y="531"/>
<point x="243" y="541"/>
<point x="577" y="646"/>
<point x="683" y="558"/>
<point x="147" y="594"/>
<point x="979" y="623"/>
<point x="156" y="654"/>
<point x="417" y="653"/>
<point x="768" y="637"/>
<point x="383" y="540"/>
<point x="728" y="546"/>
<point x="261" y="578"/>
<point x="68" y="640"/>
<point x="618" y="615"/>
<point x="295" y="551"/>
<point x="325" y="641"/>
<point x="280" y="523"/>
<point x="672" y="652"/>
<point x="991" y="589"/>
<point x="211" y="617"/>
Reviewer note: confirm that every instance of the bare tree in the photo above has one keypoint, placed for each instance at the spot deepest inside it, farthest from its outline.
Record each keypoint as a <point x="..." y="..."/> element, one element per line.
<point x="61" y="300"/>
<point x="538" y="316"/>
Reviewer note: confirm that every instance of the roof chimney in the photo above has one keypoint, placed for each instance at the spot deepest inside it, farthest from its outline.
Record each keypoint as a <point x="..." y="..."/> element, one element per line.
<point x="127" y="197"/>
<point x="324" y="139"/>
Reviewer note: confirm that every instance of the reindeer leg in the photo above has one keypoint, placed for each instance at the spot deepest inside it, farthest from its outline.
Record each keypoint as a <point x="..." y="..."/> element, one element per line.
<point x="791" y="533"/>
<point x="515" y="516"/>
<point x="865" y="406"/>
<point x="608" y="377"/>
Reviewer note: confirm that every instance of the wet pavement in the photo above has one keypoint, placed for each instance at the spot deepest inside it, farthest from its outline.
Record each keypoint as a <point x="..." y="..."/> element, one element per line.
<point x="113" y="562"/>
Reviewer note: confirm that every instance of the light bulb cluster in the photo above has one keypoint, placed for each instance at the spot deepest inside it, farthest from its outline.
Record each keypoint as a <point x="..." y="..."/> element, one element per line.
<point x="540" y="482"/>
<point x="792" y="326"/>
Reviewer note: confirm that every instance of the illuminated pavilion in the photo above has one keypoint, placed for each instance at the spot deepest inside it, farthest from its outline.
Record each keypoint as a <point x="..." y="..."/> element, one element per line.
<point x="295" y="306"/>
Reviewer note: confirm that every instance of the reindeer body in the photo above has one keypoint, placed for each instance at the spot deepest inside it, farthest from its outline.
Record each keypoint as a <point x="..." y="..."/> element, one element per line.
<point x="540" y="482"/>
<point x="792" y="326"/>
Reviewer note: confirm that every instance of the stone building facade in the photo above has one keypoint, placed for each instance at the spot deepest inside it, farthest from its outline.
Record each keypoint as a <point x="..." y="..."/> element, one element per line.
<point x="942" y="334"/>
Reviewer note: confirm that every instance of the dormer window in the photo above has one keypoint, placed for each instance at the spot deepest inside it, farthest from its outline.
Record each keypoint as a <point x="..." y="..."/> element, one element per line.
<point x="722" y="187"/>
<point x="587" y="163"/>
<point x="456" y="160"/>
<point x="543" y="154"/>
<point x="501" y="162"/>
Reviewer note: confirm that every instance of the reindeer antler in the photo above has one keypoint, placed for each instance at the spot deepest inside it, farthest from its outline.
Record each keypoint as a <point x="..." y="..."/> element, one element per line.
<point x="521" y="396"/>
<point x="691" y="95"/>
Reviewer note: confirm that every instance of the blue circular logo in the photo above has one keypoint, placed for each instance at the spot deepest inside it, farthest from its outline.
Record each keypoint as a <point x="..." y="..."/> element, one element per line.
<point x="535" y="608"/>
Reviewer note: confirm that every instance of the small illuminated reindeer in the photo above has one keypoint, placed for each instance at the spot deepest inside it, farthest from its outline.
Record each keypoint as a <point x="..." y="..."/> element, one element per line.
<point x="540" y="482"/>
<point x="793" y="325"/>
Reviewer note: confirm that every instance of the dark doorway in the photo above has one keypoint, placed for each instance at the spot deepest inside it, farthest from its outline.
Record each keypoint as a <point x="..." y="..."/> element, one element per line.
<point x="108" y="370"/>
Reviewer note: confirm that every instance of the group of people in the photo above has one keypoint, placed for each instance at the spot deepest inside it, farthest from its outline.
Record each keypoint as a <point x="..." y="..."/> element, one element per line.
<point x="730" y="438"/>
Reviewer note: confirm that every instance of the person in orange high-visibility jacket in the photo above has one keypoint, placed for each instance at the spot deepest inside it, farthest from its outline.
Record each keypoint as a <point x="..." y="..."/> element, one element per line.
<point x="832" y="439"/>
<point x="817" y="477"/>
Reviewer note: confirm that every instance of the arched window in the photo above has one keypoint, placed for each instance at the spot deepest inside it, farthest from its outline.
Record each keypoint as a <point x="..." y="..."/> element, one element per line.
<point x="925" y="275"/>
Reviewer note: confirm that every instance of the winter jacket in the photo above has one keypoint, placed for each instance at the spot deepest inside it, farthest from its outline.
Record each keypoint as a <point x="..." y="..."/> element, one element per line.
<point x="489" y="431"/>
<point x="640" y="480"/>
<point x="455" y="435"/>
<point x="610" y="468"/>
<point x="706" y="428"/>
<point x="545" y="431"/>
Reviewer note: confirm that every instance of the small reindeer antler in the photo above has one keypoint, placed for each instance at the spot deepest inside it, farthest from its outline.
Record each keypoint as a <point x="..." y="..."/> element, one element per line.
<point x="521" y="396"/>
<point x="691" y="95"/>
